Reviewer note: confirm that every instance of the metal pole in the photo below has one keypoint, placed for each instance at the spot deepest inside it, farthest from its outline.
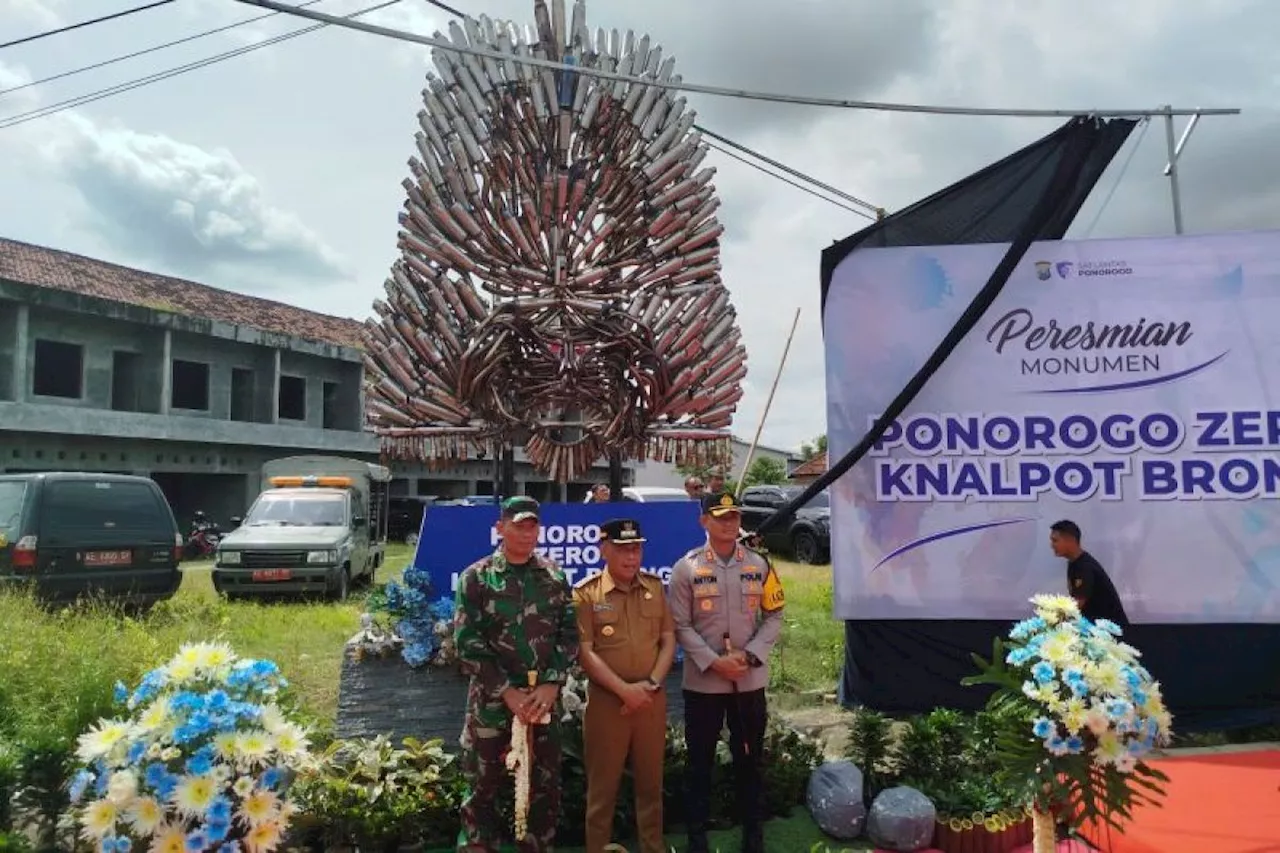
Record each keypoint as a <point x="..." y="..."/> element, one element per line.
<point x="751" y="451"/>
<point x="1173" y="173"/>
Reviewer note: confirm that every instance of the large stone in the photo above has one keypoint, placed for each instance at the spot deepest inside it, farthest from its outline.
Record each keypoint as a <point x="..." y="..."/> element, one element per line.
<point x="386" y="696"/>
<point x="835" y="799"/>
<point x="901" y="819"/>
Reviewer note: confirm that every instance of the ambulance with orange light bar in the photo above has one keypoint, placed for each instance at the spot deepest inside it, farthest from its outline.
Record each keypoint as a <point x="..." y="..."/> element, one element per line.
<point x="319" y="526"/>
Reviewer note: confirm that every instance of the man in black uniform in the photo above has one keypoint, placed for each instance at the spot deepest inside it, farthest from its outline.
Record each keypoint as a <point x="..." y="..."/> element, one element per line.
<point x="1087" y="582"/>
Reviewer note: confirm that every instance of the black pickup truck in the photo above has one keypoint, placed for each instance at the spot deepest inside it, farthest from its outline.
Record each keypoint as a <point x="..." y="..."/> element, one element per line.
<point x="806" y="536"/>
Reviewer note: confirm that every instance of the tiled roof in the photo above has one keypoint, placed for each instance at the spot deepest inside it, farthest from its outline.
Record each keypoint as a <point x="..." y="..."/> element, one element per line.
<point x="815" y="467"/>
<point x="42" y="267"/>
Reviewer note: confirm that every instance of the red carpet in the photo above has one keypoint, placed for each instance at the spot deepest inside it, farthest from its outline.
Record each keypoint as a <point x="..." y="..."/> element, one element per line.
<point x="1214" y="803"/>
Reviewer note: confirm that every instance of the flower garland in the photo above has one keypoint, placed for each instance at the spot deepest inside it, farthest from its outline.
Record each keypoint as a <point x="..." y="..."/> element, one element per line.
<point x="203" y="763"/>
<point x="409" y="617"/>
<point x="1090" y="714"/>
<point x="520" y="764"/>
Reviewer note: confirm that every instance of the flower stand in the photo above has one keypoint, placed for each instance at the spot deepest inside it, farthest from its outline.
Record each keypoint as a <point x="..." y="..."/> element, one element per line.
<point x="988" y="834"/>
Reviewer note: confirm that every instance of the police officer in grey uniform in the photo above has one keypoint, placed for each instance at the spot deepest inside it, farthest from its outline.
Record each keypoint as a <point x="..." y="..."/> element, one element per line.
<point x="727" y="605"/>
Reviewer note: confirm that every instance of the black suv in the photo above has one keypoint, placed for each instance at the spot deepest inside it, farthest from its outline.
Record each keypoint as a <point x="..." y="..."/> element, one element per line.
<point x="806" y="535"/>
<point x="73" y="534"/>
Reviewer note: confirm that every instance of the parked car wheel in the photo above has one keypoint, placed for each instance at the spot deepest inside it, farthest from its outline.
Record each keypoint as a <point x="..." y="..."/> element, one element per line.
<point x="339" y="592"/>
<point x="806" y="548"/>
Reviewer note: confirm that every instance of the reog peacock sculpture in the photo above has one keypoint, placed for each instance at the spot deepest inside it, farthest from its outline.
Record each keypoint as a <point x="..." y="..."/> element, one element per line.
<point x="559" y="280"/>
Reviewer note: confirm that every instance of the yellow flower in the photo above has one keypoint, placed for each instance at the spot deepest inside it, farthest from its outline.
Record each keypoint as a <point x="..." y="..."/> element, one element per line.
<point x="1058" y="645"/>
<point x="156" y="715"/>
<point x="194" y="794"/>
<point x="1110" y="748"/>
<point x="145" y="815"/>
<point x="1055" y="608"/>
<point x="99" y="819"/>
<point x="225" y="744"/>
<point x="259" y="807"/>
<point x="291" y="740"/>
<point x="101" y="739"/>
<point x="264" y="837"/>
<point x="254" y="745"/>
<point x="1073" y="715"/>
<point x="1106" y="677"/>
<point x="212" y="655"/>
<point x="168" y="839"/>
<point x="181" y="669"/>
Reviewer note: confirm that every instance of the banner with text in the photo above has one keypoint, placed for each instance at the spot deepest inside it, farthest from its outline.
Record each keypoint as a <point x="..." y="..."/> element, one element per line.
<point x="454" y="537"/>
<point x="1132" y="386"/>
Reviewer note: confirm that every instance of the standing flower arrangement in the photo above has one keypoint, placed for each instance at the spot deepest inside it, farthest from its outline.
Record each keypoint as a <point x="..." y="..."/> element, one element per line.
<point x="1085" y="715"/>
<point x="408" y="616"/>
<point x="202" y="762"/>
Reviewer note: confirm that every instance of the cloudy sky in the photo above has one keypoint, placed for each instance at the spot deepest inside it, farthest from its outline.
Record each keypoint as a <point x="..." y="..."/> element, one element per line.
<point x="278" y="172"/>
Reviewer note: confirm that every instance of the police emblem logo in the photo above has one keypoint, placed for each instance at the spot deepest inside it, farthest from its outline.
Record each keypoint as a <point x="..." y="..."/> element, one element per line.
<point x="607" y="630"/>
<point x="726" y="500"/>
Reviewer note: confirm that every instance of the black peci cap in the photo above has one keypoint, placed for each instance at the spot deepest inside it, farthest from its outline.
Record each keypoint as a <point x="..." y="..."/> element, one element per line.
<point x="621" y="531"/>
<point x="720" y="503"/>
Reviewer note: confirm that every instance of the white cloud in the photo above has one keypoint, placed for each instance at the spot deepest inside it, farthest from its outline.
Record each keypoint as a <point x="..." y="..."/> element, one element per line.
<point x="322" y="126"/>
<point x="188" y="210"/>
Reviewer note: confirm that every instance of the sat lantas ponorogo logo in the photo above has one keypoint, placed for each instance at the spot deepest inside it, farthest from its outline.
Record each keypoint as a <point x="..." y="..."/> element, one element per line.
<point x="1088" y="269"/>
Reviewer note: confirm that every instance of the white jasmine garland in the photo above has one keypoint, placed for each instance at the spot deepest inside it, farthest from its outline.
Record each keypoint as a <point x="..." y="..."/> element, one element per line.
<point x="518" y="762"/>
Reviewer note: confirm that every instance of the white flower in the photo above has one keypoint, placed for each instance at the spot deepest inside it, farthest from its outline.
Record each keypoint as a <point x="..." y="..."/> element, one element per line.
<point x="123" y="787"/>
<point x="99" y="819"/>
<point x="194" y="795"/>
<point x="259" y="807"/>
<point x="101" y="739"/>
<point x="145" y="815"/>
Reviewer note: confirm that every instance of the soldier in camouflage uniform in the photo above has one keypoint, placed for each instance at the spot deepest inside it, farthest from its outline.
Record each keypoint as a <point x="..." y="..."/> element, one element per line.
<point x="514" y="616"/>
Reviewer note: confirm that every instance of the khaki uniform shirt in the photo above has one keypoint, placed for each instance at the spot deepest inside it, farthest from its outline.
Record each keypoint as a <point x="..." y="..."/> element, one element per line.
<point x="624" y="625"/>
<point x="710" y="597"/>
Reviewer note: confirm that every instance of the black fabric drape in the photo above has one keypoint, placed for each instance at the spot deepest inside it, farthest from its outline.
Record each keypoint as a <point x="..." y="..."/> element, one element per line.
<point x="1031" y="195"/>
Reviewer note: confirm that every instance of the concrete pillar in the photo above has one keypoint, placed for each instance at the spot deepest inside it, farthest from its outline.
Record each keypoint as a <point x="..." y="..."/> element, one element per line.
<point x="21" y="378"/>
<point x="275" y="387"/>
<point x="166" y="372"/>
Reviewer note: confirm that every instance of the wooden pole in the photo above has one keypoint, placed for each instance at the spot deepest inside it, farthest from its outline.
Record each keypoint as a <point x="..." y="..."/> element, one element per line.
<point x="751" y="452"/>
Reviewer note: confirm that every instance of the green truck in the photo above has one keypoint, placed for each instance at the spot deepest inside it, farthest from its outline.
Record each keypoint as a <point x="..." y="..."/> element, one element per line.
<point x="319" y="526"/>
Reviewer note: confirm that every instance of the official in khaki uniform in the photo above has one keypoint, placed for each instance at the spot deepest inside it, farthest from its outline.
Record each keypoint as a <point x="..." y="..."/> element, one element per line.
<point x="727" y="604"/>
<point x="628" y="641"/>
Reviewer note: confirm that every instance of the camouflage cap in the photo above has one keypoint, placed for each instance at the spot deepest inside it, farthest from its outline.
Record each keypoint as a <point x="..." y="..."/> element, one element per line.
<point x="519" y="508"/>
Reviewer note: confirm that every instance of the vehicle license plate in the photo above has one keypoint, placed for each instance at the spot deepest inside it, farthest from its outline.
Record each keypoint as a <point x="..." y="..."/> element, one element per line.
<point x="108" y="558"/>
<point x="272" y="574"/>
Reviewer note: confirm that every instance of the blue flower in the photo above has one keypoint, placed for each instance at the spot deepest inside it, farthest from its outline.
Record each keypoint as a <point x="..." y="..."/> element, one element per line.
<point x="219" y="811"/>
<point x="272" y="777"/>
<point x="1118" y="709"/>
<point x="1018" y="657"/>
<point x="1075" y="745"/>
<point x="217" y="830"/>
<point x="101" y="783"/>
<point x="121" y="692"/>
<point x="79" y="784"/>
<point x="1043" y="728"/>
<point x="1043" y="672"/>
<point x="197" y="841"/>
<point x="1079" y="688"/>
<point x="1109" y="627"/>
<point x="199" y="764"/>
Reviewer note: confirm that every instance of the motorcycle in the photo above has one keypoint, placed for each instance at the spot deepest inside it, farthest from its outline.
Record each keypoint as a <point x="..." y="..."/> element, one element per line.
<point x="202" y="538"/>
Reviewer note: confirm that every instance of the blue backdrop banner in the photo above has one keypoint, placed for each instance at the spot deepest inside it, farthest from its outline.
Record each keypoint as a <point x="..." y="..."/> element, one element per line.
<point x="454" y="537"/>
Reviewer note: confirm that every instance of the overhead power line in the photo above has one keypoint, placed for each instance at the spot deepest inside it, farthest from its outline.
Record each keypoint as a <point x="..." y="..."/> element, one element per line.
<point x="724" y="91"/>
<point x="70" y="103"/>
<point x="147" y="50"/>
<point x="90" y="23"/>
<point x="875" y="212"/>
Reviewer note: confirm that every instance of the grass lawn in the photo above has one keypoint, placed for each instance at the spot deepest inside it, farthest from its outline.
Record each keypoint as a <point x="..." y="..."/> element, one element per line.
<point x="795" y="834"/>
